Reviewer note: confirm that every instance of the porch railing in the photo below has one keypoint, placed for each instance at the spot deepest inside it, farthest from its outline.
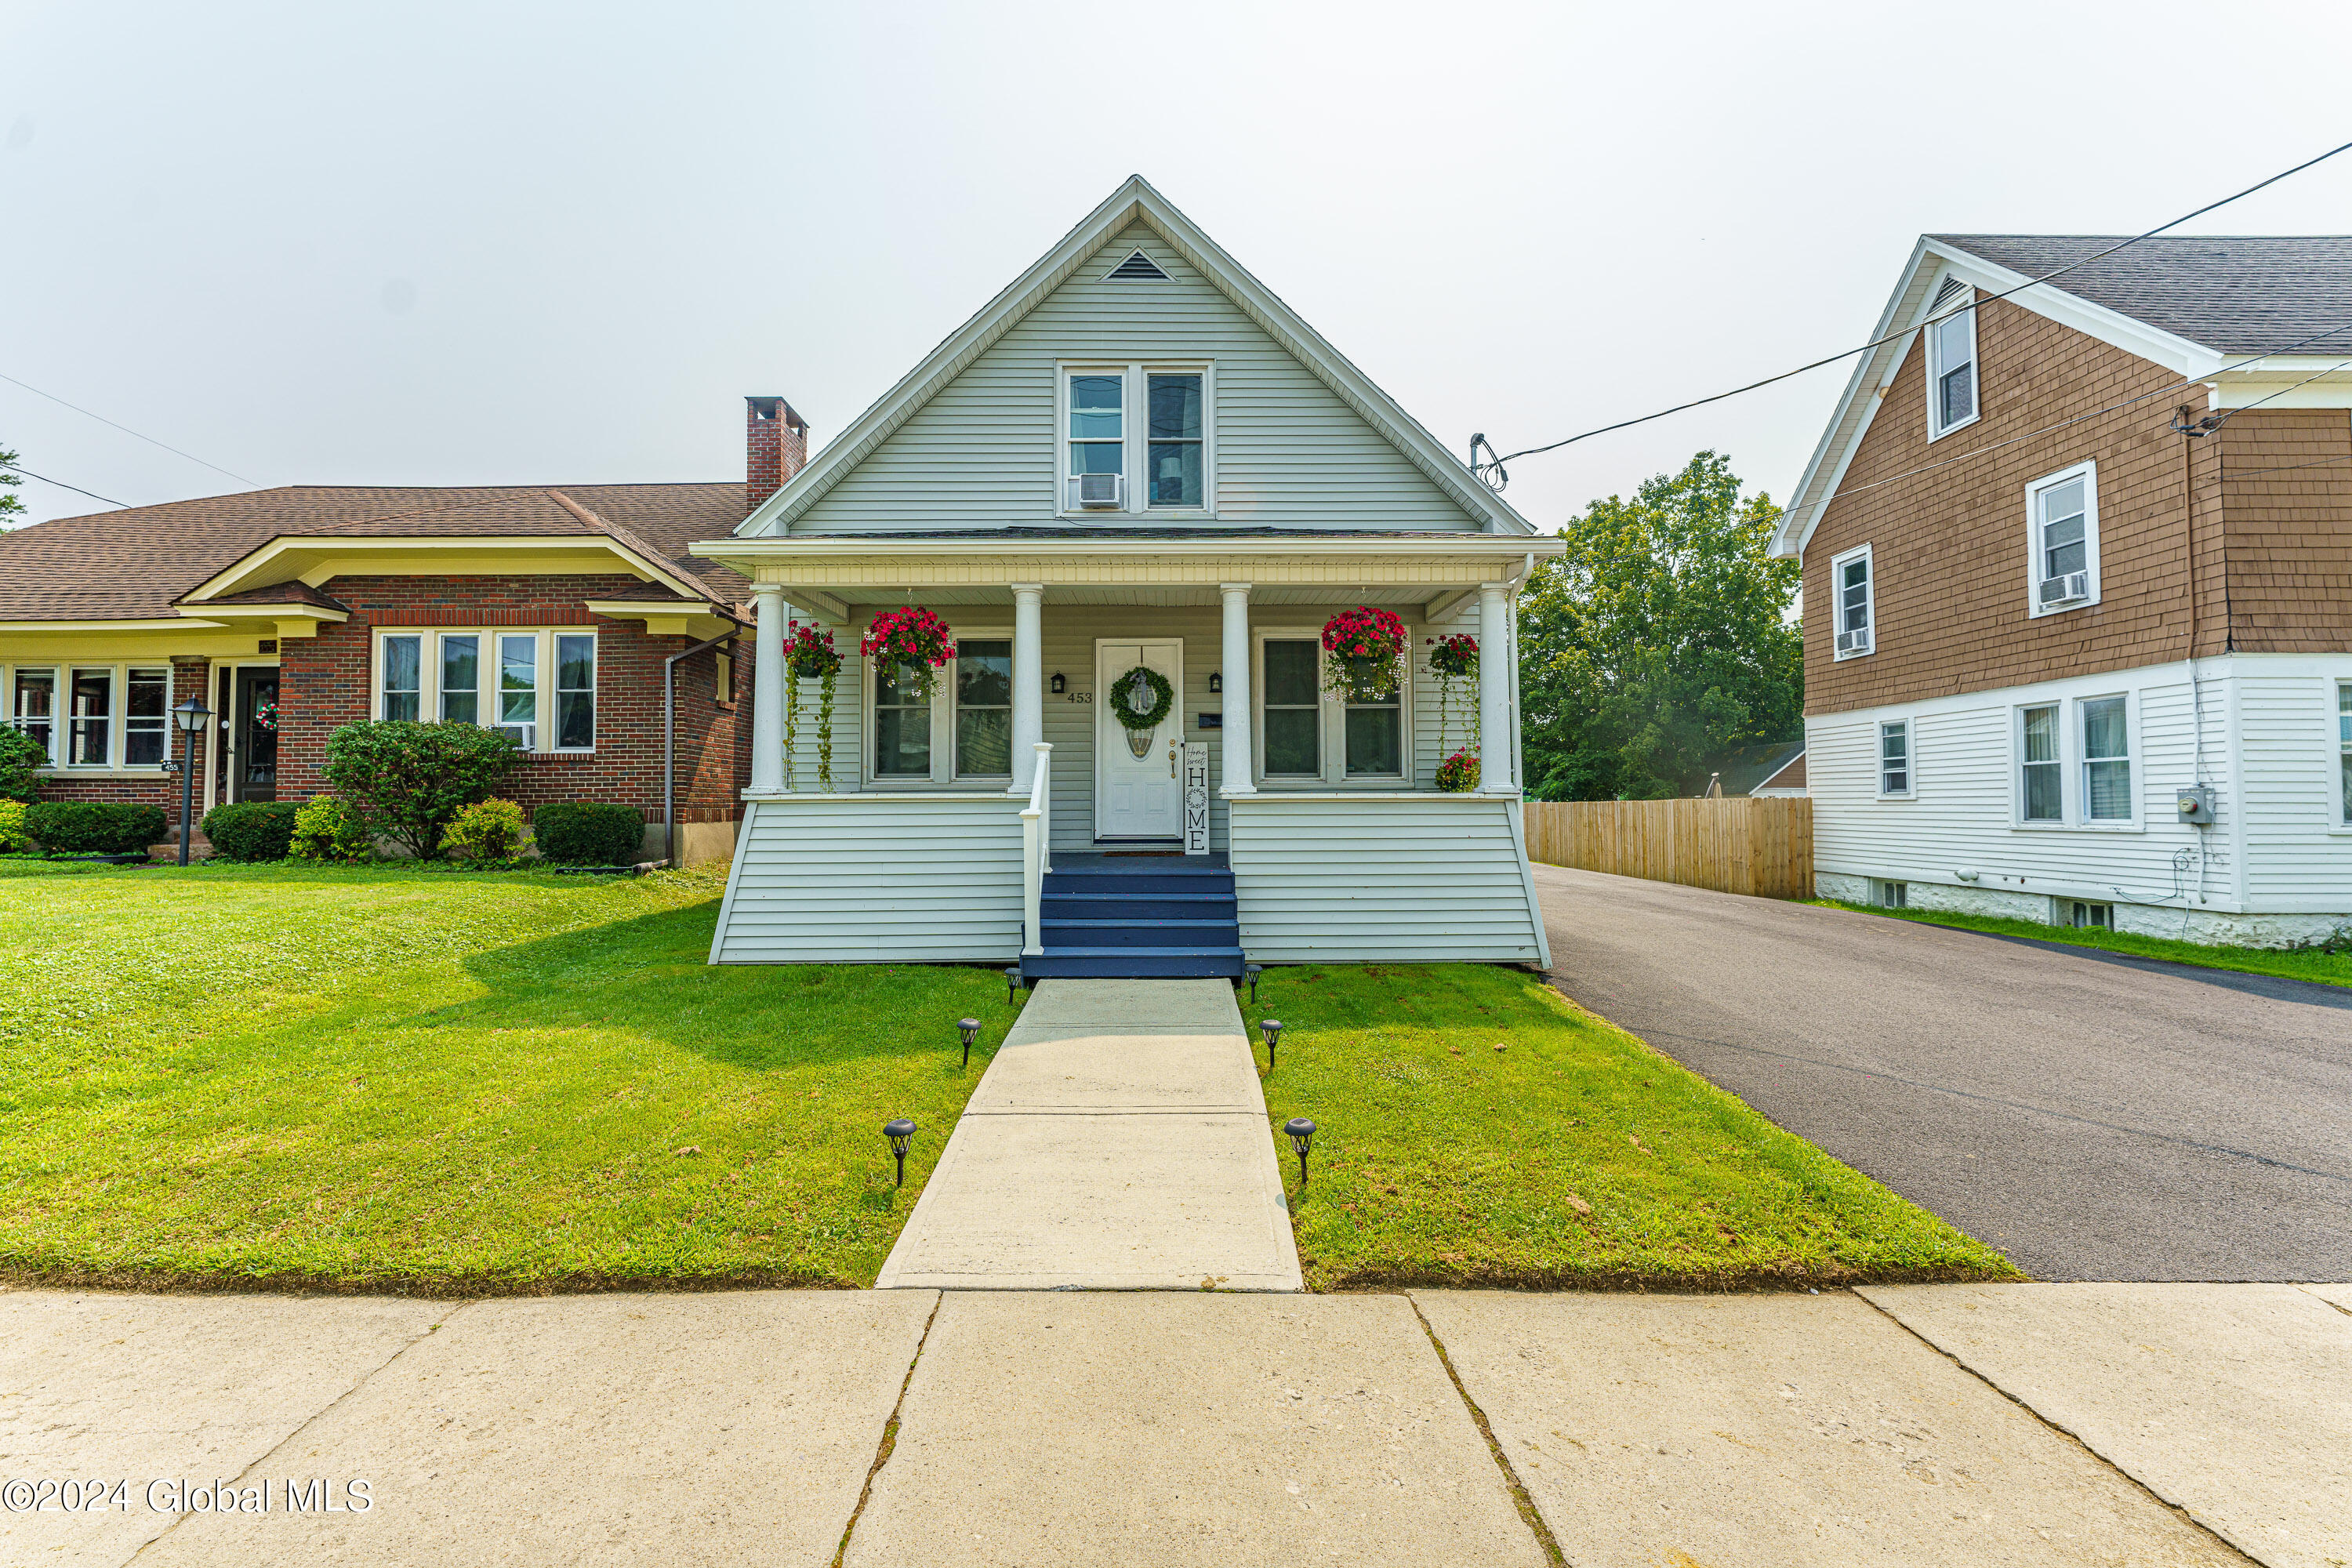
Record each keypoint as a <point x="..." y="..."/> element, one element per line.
<point x="1036" y="852"/>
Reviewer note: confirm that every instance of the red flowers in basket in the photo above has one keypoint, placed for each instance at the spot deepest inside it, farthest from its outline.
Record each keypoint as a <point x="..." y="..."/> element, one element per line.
<point x="810" y="654"/>
<point x="1453" y="656"/>
<point x="1364" y="646"/>
<point x="1458" y="775"/>
<point x="911" y="636"/>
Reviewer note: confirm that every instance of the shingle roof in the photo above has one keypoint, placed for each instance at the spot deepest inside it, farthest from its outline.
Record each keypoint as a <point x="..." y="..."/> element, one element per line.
<point x="137" y="564"/>
<point x="2232" y="293"/>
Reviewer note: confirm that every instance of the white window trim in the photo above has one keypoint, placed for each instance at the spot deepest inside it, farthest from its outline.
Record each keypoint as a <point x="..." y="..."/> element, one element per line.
<point x="428" y="678"/>
<point x="1837" y="600"/>
<point x="1963" y="304"/>
<point x="1135" y="433"/>
<point x="2074" y="806"/>
<point x="943" y="706"/>
<point x="118" y="736"/>
<point x="2335" y="687"/>
<point x="1331" y="724"/>
<point x="2133" y="755"/>
<point x="2018" y="819"/>
<point x="2088" y="474"/>
<point x="1910" y="759"/>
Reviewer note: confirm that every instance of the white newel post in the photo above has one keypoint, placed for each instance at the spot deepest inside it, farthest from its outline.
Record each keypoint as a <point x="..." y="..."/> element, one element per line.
<point x="768" y="690"/>
<point x="1234" y="732"/>
<point x="1028" y="682"/>
<point x="1494" y="749"/>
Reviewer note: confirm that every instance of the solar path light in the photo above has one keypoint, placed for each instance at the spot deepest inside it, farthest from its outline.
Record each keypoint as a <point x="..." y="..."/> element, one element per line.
<point x="1012" y="982"/>
<point x="1302" y="1137"/>
<point x="901" y="1134"/>
<point x="970" y="1029"/>
<point x="1251" y="972"/>
<point x="1272" y="1029"/>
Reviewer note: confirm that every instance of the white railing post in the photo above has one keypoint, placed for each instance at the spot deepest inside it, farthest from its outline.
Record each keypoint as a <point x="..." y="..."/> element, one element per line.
<point x="1044" y="786"/>
<point x="1036" y="853"/>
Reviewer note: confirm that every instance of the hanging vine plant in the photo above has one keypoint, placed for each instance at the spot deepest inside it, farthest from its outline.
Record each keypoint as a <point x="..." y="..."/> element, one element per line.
<point x="811" y="655"/>
<point x="1452" y="660"/>
<point x="1139" y="700"/>
<point x="1361" y="648"/>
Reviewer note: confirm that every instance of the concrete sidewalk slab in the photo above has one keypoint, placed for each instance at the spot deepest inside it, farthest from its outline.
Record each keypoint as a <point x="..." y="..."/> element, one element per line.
<point x="1770" y="1430"/>
<point x="2337" y="1296"/>
<point x="138" y="1388"/>
<point x="2233" y="1402"/>
<point x="655" y="1430"/>
<point x="1147" y="1429"/>
<point x="1118" y="1141"/>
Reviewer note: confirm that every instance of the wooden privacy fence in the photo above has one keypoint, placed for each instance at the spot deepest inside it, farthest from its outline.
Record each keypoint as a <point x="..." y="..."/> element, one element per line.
<point x="1760" y="847"/>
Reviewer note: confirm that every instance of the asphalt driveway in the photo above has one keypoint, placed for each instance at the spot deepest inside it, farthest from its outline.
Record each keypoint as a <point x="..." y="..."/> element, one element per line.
<point x="2096" y="1118"/>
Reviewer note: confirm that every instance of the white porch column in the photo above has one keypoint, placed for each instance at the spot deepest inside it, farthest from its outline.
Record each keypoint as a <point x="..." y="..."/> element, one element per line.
<point x="1235" y="733"/>
<point x="1028" y="682"/>
<point x="768" y="690"/>
<point x="1494" y="748"/>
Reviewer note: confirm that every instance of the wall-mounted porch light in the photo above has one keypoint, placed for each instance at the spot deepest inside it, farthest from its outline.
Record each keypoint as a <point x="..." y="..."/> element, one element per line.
<point x="1216" y="681"/>
<point x="1059" y="684"/>
<point x="901" y="1134"/>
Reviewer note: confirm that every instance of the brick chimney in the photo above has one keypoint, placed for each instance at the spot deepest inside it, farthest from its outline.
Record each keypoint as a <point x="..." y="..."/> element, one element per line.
<point x="776" y="447"/>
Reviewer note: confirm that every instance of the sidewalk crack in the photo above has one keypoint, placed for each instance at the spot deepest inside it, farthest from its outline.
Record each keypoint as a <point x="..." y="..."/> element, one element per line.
<point x="1526" y="1505"/>
<point x="889" y="1442"/>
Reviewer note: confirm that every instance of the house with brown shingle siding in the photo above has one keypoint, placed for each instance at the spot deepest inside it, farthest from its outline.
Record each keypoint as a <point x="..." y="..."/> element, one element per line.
<point x="2078" y="568"/>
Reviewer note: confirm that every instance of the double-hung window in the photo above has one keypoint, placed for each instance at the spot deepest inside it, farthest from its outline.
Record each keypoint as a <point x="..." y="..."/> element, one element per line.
<point x="1852" y="614"/>
<point x="1177" y="439"/>
<point x="461" y="678"/>
<point x="2041" y="784"/>
<point x="403" y="678"/>
<point x="2344" y="745"/>
<point x="983" y="709"/>
<point x="1375" y="737"/>
<point x="518" y="680"/>
<point x="2106" y="760"/>
<point x="34" y="706"/>
<point x="1952" y="369"/>
<point x="575" y="691"/>
<point x="1894" y="757"/>
<point x="1291" y="714"/>
<point x="1098" y="428"/>
<point x="1136" y="438"/>
<point x="90" y="723"/>
<point x="902" y="723"/>
<point x="2062" y="527"/>
<point x="147" y="695"/>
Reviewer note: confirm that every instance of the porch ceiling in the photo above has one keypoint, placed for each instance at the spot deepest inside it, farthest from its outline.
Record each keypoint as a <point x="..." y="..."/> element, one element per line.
<point x="1148" y="595"/>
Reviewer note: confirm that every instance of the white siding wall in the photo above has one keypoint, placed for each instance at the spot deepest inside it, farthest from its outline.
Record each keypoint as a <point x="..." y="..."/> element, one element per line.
<point x="981" y="453"/>
<point x="2268" y="751"/>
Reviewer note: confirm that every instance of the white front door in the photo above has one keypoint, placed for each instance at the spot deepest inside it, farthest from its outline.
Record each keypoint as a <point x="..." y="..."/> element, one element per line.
<point x="1138" y="797"/>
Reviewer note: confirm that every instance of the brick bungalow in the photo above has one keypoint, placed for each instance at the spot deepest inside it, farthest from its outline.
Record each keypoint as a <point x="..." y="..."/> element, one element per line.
<point x="549" y="610"/>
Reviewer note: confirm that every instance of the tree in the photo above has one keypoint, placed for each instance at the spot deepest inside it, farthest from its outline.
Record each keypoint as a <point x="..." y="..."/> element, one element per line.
<point x="409" y="781"/>
<point x="11" y="506"/>
<point x="1660" y="641"/>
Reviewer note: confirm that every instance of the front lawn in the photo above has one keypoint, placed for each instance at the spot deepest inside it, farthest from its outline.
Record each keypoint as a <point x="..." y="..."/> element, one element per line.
<point x="2285" y="964"/>
<point x="373" y="1078"/>
<point x="1476" y="1128"/>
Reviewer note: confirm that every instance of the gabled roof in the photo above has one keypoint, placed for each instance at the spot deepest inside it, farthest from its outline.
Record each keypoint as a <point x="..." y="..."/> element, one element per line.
<point x="2199" y="307"/>
<point x="141" y="562"/>
<point x="1133" y="202"/>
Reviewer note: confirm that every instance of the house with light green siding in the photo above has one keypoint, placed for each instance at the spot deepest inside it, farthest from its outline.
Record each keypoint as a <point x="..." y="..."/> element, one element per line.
<point x="1137" y="515"/>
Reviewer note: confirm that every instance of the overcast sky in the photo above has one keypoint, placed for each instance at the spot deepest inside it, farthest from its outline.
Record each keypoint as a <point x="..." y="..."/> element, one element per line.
<point x="485" y="243"/>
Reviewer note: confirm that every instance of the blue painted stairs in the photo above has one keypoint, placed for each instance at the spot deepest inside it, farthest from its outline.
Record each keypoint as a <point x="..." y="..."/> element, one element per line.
<point x="1133" y="918"/>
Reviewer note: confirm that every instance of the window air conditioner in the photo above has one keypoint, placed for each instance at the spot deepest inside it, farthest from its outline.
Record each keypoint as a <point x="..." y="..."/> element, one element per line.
<point x="1102" y="490"/>
<point x="1853" y="642"/>
<point x="2065" y="589"/>
<point x="523" y="735"/>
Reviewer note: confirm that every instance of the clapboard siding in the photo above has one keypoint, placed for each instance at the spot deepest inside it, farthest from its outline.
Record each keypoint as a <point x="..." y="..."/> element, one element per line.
<point x="865" y="878"/>
<point x="981" y="453"/>
<point x="1386" y="879"/>
<point x="2298" y="852"/>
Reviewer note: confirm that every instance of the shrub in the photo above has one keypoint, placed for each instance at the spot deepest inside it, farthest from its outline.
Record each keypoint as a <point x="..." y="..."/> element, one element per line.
<point x="21" y="760"/>
<point x="408" y="781"/>
<point x="12" y="836"/>
<point x="327" y="830"/>
<point x="585" y="833"/>
<point x="485" y="830"/>
<point x="94" y="827"/>
<point x="251" y="829"/>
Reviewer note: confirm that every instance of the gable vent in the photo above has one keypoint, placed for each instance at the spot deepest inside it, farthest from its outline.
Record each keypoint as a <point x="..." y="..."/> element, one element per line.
<point x="1138" y="266"/>
<point x="1951" y="286"/>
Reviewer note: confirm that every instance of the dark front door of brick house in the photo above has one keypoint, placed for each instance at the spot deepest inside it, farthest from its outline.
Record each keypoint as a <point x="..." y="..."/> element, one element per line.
<point x="253" y="770"/>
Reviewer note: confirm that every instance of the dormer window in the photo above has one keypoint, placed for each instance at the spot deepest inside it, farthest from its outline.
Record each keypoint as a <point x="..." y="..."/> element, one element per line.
<point x="1952" y="364"/>
<point x="1104" y="470"/>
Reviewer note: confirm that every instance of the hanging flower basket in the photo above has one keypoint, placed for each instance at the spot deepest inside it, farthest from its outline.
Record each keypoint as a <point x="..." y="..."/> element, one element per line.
<point x="1458" y="775"/>
<point x="1363" y="647"/>
<point x="811" y="655"/>
<point x="1139" y="700"/>
<point x="913" y="637"/>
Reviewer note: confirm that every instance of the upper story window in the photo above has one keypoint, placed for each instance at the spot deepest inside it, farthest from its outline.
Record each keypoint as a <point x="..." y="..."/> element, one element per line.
<point x="1136" y="438"/>
<point x="1952" y="368"/>
<point x="2062" y="523"/>
<point x="1853" y="611"/>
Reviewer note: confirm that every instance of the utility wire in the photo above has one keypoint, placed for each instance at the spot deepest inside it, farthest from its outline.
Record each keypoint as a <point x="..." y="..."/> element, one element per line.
<point x="1496" y="465"/>
<point x="126" y="429"/>
<point x="63" y="486"/>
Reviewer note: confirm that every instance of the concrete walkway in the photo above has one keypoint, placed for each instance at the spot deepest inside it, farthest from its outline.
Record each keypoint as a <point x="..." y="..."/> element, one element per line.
<point x="2063" y="1424"/>
<point x="1118" y="1141"/>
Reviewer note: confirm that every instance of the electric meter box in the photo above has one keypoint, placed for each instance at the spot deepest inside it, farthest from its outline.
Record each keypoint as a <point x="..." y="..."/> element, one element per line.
<point x="2195" y="804"/>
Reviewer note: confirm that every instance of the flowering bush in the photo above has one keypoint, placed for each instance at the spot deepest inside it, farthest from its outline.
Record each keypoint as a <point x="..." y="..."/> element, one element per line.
<point x="1364" y="646"/>
<point x="1458" y="775"/>
<point x="811" y="655"/>
<point x="911" y="636"/>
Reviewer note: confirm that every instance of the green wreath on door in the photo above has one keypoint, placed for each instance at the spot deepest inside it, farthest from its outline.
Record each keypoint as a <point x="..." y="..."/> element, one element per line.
<point x="1125" y="699"/>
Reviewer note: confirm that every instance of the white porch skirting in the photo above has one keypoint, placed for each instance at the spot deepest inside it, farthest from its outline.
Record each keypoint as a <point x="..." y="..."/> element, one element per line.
<point x="1393" y="877"/>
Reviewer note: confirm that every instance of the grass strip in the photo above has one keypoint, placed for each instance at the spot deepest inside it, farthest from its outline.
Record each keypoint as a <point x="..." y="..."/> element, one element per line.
<point x="2310" y="963"/>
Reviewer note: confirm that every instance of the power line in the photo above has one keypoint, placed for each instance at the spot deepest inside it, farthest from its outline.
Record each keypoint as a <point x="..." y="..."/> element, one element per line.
<point x="126" y="429"/>
<point x="1495" y="466"/>
<point x="63" y="486"/>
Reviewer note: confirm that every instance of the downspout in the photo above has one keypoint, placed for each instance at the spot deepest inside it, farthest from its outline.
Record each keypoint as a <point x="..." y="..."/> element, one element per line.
<point x="669" y="742"/>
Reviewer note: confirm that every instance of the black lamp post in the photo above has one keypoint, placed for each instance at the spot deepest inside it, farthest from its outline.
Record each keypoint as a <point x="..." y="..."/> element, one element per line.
<point x="970" y="1029"/>
<point x="1251" y="971"/>
<point x="1272" y="1029"/>
<point x="1302" y="1137"/>
<point x="189" y="716"/>
<point x="901" y="1134"/>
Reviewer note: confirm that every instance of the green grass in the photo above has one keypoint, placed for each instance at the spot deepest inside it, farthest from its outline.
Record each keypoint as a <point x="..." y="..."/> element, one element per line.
<point x="381" y="1079"/>
<point x="2286" y="963"/>
<point x="1574" y="1156"/>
